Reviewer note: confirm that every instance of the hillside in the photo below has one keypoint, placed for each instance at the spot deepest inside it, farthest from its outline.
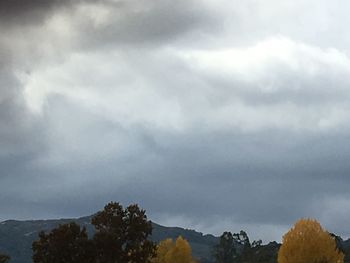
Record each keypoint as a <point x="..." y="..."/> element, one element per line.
<point x="16" y="237"/>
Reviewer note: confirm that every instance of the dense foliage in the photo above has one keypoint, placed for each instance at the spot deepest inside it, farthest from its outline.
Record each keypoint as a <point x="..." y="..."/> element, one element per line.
<point x="173" y="252"/>
<point x="308" y="242"/>
<point x="121" y="237"/>
<point x="67" y="243"/>
<point x="114" y="229"/>
<point x="225" y="251"/>
<point x="236" y="248"/>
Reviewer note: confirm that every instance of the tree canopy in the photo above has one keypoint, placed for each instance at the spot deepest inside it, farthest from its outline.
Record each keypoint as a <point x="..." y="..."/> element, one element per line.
<point x="308" y="242"/>
<point x="236" y="248"/>
<point x="225" y="251"/>
<point x="169" y="251"/>
<point x="66" y="243"/>
<point x="120" y="237"/>
<point x="122" y="234"/>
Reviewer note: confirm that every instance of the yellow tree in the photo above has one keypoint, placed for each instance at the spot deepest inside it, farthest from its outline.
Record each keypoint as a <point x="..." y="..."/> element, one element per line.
<point x="163" y="249"/>
<point x="174" y="252"/>
<point x="308" y="242"/>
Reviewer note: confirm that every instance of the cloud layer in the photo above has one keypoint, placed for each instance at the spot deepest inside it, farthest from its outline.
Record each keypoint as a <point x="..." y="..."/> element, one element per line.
<point x="209" y="114"/>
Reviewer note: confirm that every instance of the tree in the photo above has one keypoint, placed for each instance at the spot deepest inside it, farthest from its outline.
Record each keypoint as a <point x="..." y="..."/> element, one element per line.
<point x="258" y="253"/>
<point x="121" y="235"/>
<point x="225" y="251"/>
<point x="243" y="247"/>
<point x="236" y="248"/>
<point x="162" y="250"/>
<point x="4" y="258"/>
<point x="66" y="243"/>
<point x="308" y="242"/>
<point x="174" y="252"/>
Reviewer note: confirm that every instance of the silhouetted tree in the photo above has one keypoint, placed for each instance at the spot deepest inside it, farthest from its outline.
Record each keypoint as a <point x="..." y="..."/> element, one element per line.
<point x="258" y="253"/>
<point x="4" y="258"/>
<point x="236" y="248"/>
<point x="67" y="243"/>
<point x="243" y="246"/>
<point x="121" y="235"/>
<point x="338" y="242"/>
<point x="225" y="251"/>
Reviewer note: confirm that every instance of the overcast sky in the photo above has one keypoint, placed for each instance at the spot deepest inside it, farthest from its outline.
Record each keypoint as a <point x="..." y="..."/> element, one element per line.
<point x="210" y="114"/>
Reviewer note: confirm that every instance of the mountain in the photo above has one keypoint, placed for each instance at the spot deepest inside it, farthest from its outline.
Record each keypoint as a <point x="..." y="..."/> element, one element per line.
<point x="16" y="237"/>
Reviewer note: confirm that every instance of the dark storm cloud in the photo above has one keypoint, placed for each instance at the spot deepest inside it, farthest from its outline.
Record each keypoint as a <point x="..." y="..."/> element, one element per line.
<point x="261" y="178"/>
<point x="127" y="22"/>
<point x="199" y="136"/>
<point x="18" y="128"/>
<point x="145" y="22"/>
<point x="20" y="13"/>
<point x="18" y="50"/>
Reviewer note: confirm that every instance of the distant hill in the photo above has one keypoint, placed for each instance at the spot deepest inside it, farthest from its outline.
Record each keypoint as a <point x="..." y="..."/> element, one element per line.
<point x="16" y="237"/>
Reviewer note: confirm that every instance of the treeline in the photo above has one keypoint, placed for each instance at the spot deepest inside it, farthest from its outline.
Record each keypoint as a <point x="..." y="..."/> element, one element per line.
<point x="122" y="236"/>
<point x="305" y="242"/>
<point x="237" y="248"/>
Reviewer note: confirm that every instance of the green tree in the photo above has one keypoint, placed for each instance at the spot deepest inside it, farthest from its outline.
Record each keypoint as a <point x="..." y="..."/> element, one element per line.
<point x="236" y="248"/>
<point x="243" y="246"/>
<point x="66" y="243"/>
<point x="121" y="235"/>
<point x="225" y="251"/>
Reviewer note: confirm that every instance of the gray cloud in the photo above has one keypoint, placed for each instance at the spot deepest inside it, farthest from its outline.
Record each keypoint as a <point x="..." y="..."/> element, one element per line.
<point x="160" y="103"/>
<point x="145" y="22"/>
<point x="20" y="13"/>
<point x="18" y="128"/>
<point x="24" y="13"/>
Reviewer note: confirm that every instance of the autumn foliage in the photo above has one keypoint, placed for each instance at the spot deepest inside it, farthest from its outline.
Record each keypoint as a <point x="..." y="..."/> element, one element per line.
<point x="308" y="242"/>
<point x="169" y="251"/>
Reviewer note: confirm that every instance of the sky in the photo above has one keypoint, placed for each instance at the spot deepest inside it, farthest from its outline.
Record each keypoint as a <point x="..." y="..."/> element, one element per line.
<point x="214" y="115"/>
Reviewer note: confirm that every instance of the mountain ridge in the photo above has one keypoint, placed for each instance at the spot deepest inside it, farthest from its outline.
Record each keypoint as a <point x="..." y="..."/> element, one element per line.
<point x="16" y="236"/>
